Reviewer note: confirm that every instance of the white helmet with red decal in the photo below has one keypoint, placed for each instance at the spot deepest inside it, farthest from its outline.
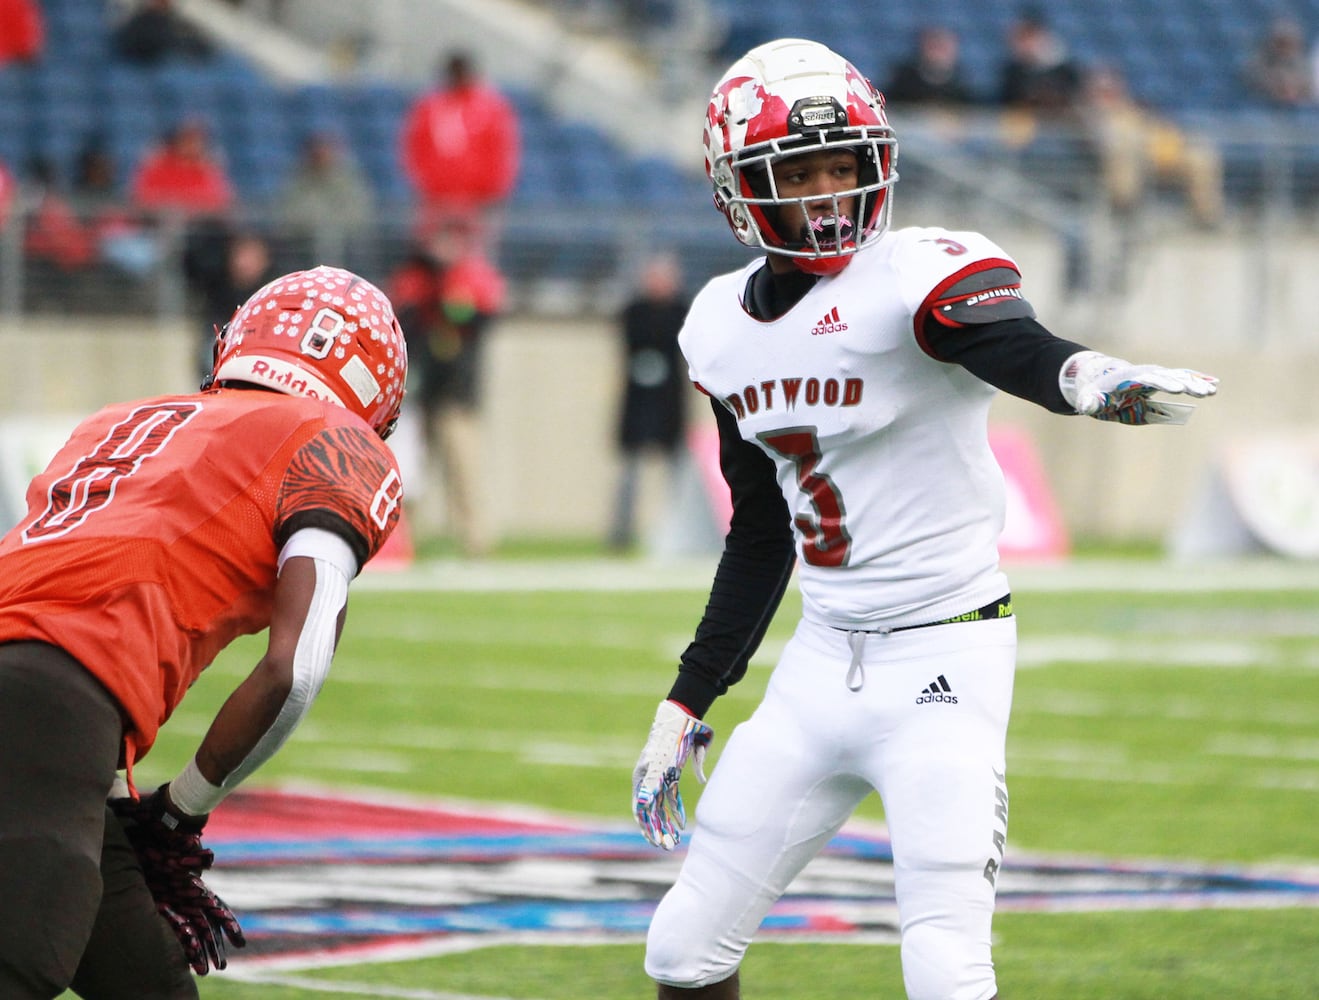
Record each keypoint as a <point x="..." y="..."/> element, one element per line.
<point x="788" y="97"/>
<point x="326" y="334"/>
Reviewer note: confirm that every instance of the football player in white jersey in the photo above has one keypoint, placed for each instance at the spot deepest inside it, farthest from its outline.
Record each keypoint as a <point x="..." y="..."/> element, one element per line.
<point x="852" y="392"/>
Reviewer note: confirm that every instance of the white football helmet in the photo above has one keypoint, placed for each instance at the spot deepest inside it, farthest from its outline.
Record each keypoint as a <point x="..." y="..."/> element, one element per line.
<point x="788" y="97"/>
<point x="325" y="333"/>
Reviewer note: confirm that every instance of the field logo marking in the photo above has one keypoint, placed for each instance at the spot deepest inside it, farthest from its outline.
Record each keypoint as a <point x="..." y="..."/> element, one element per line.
<point x="320" y="880"/>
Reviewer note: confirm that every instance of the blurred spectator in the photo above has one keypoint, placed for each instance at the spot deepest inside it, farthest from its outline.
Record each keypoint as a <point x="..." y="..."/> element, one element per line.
<point x="461" y="144"/>
<point x="56" y="241"/>
<point x="181" y="175"/>
<point x="649" y="17"/>
<point x="446" y="295"/>
<point x="122" y="241"/>
<point x="1038" y="74"/>
<point x="96" y="175"/>
<point x="224" y="267"/>
<point x="1280" y="71"/>
<point x="327" y="199"/>
<point x="1314" y="69"/>
<point x="22" y="31"/>
<point x="156" y="32"/>
<point x="932" y="73"/>
<point x="8" y="191"/>
<point x="671" y="35"/>
<point x="1138" y="150"/>
<point x="652" y="415"/>
<point x="81" y="242"/>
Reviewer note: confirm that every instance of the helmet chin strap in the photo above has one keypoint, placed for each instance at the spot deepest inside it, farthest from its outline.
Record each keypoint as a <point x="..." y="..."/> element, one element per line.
<point x="822" y="267"/>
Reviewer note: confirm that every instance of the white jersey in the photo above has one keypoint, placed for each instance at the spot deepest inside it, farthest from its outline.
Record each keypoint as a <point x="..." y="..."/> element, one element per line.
<point x="881" y="451"/>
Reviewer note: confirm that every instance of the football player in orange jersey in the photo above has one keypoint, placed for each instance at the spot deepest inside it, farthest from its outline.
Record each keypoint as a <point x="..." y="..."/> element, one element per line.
<point x="163" y="529"/>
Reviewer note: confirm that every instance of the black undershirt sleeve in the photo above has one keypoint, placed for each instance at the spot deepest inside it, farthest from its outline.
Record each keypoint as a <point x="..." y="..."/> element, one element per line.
<point x="1018" y="356"/>
<point x="757" y="562"/>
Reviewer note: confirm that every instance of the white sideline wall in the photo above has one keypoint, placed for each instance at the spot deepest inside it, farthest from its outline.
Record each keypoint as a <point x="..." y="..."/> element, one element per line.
<point x="552" y="388"/>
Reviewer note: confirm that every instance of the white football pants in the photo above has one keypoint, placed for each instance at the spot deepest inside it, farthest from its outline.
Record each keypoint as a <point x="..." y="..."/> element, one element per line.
<point x="813" y="749"/>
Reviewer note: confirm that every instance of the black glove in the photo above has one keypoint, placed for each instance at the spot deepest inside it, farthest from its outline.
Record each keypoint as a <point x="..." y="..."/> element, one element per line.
<point x="169" y="848"/>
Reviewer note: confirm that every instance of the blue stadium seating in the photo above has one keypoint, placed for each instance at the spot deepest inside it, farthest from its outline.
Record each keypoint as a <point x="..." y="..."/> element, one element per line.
<point x="656" y="181"/>
<point x="1182" y="56"/>
<point x="1176" y="53"/>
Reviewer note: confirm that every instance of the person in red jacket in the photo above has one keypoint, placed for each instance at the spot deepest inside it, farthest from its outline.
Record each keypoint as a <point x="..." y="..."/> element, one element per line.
<point x="461" y="143"/>
<point x="8" y="192"/>
<point x="55" y="235"/>
<point x="182" y="175"/>
<point x="22" y="31"/>
<point x="447" y="294"/>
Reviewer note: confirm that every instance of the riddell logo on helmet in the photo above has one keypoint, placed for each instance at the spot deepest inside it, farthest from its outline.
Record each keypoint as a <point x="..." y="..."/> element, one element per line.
<point x="284" y="379"/>
<point x="288" y="379"/>
<point x="829" y="324"/>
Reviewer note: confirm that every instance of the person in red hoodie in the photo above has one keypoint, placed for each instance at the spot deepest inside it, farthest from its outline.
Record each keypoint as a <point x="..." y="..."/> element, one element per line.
<point x="8" y="191"/>
<point x="461" y="143"/>
<point x="182" y="175"/>
<point x="22" y="31"/>
<point x="448" y="293"/>
<point x="55" y="234"/>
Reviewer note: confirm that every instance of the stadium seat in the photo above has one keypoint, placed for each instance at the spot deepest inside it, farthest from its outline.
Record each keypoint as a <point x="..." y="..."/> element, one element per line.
<point x="536" y="181"/>
<point x="315" y="108"/>
<point x="658" y="182"/>
<point x="14" y="149"/>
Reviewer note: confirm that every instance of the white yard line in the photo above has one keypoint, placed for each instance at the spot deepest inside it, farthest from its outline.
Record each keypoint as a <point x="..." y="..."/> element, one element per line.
<point x="1150" y="652"/>
<point x="696" y="574"/>
<point x="357" y="989"/>
<point x="368" y="752"/>
<point x="277" y="970"/>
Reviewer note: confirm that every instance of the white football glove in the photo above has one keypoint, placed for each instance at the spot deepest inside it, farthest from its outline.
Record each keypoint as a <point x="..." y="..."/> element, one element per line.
<point x="656" y="801"/>
<point x="1112" y="389"/>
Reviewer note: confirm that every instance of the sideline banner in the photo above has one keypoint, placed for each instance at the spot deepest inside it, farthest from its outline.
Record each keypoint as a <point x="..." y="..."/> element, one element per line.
<point x="27" y="444"/>
<point x="1260" y="495"/>
<point x="1033" y="526"/>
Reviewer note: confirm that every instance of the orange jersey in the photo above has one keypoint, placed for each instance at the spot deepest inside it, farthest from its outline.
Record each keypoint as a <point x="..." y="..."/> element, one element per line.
<point x="151" y="539"/>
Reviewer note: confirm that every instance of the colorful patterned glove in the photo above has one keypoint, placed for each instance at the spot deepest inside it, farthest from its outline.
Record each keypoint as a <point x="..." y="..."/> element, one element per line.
<point x="170" y="851"/>
<point x="1112" y="389"/>
<point x="656" y="801"/>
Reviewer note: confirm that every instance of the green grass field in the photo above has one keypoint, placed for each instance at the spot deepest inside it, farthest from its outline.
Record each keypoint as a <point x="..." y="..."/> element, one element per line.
<point x="1159" y="714"/>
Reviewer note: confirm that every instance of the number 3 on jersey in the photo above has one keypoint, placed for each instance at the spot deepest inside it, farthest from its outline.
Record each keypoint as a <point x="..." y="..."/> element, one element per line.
<point x="826" y="541"/>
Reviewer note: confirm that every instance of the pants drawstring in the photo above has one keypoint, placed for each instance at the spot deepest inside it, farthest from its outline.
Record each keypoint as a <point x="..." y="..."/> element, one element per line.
<point x="856" y="673"/>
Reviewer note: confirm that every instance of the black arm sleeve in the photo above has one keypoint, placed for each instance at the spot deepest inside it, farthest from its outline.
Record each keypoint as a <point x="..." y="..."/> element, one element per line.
<point x="753" y="573"/>
<point x="1018" y="356"/>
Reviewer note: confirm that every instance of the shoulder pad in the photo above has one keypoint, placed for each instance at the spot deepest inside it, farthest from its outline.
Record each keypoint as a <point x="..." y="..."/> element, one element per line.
<point x="986" y="296"/>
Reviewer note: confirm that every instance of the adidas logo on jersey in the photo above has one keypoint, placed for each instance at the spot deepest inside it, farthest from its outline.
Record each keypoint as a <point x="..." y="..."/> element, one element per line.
<point x="939" y="691"/>
<point x="830" y="323"/>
